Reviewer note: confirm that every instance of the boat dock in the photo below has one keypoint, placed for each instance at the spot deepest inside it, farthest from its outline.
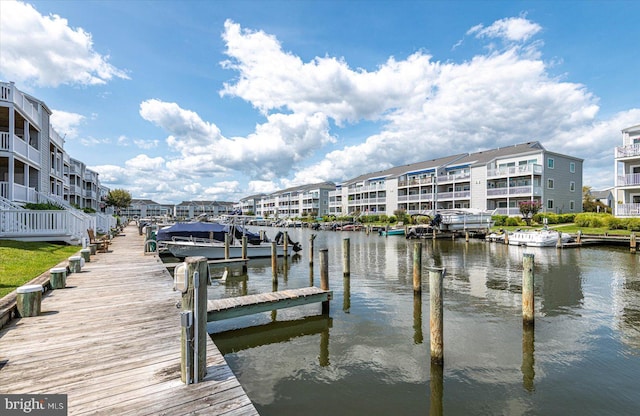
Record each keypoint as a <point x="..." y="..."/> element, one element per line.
<point x="110" y="341"/>
<point x="220" y="309"/>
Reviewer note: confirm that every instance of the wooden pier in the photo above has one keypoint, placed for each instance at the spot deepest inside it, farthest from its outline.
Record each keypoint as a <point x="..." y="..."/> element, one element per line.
<point x="110" y="341"/>
<point x="220" y="309"/>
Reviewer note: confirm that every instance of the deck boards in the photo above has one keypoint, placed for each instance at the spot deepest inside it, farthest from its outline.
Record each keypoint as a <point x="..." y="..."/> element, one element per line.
<point x="111" y="342"/>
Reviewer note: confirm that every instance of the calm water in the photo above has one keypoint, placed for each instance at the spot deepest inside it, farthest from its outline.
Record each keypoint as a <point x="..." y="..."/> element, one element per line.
<point x="371" y="355"/>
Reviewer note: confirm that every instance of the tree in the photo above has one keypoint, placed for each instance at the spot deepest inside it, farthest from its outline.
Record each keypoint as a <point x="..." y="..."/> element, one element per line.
<point x="119" y="199"/>
<point x="528" y="209"/>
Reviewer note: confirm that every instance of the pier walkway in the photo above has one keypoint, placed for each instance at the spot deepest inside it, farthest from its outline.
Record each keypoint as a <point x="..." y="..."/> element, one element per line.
<point x="110" y="341"/>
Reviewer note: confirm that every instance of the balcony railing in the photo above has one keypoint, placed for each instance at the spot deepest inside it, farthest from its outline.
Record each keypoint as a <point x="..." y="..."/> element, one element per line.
<point x="8" y="92"/>
<point x="11" y="143"/>
<point x="21" y="193"/>
<point x="515" y="171"/>
<point x="627" y="210"/>
<point x="515" y="190"/>
<point x="628" y="151"/>
<point x="628" y="180"/>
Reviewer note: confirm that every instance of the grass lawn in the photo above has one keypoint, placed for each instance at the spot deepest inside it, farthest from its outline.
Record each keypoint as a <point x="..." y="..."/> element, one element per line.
<point x="21" y="261"/>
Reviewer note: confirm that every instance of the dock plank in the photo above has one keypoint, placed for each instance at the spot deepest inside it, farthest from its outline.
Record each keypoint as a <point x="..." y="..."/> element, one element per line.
<point x="111" y="342"/>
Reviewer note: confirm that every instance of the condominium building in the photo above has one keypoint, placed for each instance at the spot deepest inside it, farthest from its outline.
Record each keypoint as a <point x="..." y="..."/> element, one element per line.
<point x="627" y="174"/>
<point x="294" y="202"/>
<point x="33" y="163"/>
<point x="497" y="179"/>
<point x="193" y="209"/>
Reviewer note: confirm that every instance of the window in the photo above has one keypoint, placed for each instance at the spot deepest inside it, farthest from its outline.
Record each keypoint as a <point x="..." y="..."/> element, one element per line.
<point x="550" y="204"/>
<point x="572" y="186"/>
<point x="550" y="163"/>
<point x="572" y="167"/>
<point x="572" y="205"/>
<point x="550" y="183"/>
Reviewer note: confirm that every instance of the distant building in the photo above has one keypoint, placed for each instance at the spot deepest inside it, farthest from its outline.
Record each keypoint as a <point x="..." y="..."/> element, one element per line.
<point x="497" y="179"/>
<point x="605" y="197"/>
<point x="193" y="209"/>
<point x="627" y="174"/>
<point x="294" y="202"/>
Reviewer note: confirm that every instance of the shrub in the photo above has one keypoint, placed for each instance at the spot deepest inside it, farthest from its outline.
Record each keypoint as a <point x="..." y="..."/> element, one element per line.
<point x="499" y="220"/>
<point x="46" y="206"/>
<point x="593" y="220"/>
<point x="512" y="221"/>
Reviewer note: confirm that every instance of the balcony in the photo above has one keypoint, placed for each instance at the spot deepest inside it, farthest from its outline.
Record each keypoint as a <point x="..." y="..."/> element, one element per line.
<point x="8" y="92"/>
<point x="627" y="210"/>
<point x="628" y="180"/>
<point x="21" y="193"/>
<point x="515" y="191"/>
<point x="515" y="171"/>
<point x="632" y="150"/>
<point x="11" y="143"/>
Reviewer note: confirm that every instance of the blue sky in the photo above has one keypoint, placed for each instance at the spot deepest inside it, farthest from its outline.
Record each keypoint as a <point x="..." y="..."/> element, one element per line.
<point x="217" y="100"/>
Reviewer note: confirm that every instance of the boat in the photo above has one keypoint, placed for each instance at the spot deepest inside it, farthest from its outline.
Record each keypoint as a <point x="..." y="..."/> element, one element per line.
<point x="538" y="238"/>
<point x="205" y="230"/>
<point x="461" y="219"/>
<point x="395" y="230"/>
<point x="215" y="250"/>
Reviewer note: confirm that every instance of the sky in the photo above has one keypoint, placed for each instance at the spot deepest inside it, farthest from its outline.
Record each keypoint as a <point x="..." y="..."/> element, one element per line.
<point x="219" y="100"/>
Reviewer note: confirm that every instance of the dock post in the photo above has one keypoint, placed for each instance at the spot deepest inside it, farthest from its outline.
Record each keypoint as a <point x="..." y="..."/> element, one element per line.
<point x="286" y="245"/>
<point x="632" y="243"/>
<point x="559" y="242"/>
<point x="417" y="267"/>
<point x="417" y="318"/>
<point x="226" y="245"/>
<point x="244" y="253"/>
<point x="528" y="361"/>
<point x="436" y="276"/>
<point x="466" y="236"/>
<point x="436" y="387"/>
<point x="346" y="301"/>
<point x="195" y="300"/>
<point x="346" y="258"/>
<point x="579" y="237"/>
<point x="527" y="289"/>
<point x="274" y="260"/>
<point x="506" y="237"/>
<point x="313" y="237"/>
<point x="324" y="276"/>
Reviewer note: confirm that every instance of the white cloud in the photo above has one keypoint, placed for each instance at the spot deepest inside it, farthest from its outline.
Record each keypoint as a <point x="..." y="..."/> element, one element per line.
<point x="66" y="124"/>
<point x="145" y="163"/>
<point x="146" y="144"/>
<point x="513" y="29"/>
<point x="46" y="51"/>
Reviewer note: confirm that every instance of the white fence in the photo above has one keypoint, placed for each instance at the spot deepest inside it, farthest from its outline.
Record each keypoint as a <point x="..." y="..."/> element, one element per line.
<point x="52" y="225"/>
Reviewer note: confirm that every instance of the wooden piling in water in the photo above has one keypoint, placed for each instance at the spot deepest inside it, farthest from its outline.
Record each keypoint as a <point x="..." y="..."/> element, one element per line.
<point x="417" y="267"/>
<point x="436" y="276"/>
<point x="346" y="258"/>
<point x="245" y="241"/>
<point x="418" y="337"/>
<point x="274" y="260"/>
<point x="527" y="289"/>
<point x="286" y="244"/>
<point x="195" y="295"/>
<point x="324" y="276"/>
<point x="226" y="245"/>
<point x="632" y="243"/>
<point x="527" y="368"/>
<point x="579" y="237"/>
<point x="313" y="237"/>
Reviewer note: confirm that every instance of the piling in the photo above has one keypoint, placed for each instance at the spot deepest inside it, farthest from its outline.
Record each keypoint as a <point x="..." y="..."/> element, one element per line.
<point x="346" y="258"/>
<point x="226" y="245"/>
<point x="632" y="243"/>
<point x="466" y="236"/>
<point x="527" y="368"/>
<point x="417" y="267"/>
<point x="527" y="289"/>
<point x="324" y="276"/>
<point x="436" y="276"/>
<point x="244" y="253"/>
<point x="436" y="385"/>
<point x="313" y="237"/>
<point x="274" y="260"/>
<point x="75" y="265"/>
<point x="29" y="300"/>
<point x="346" y="301"/>
<point x="579" y="237"/>
<point x="559" y="242"/>
<point x="86" y="254"/>
<point x="418" y="337"/>
<point x="286" y="245"/>
<point x="193" y="356"/>
<point x="58" y="277"/>
<point x="506" y="237"/>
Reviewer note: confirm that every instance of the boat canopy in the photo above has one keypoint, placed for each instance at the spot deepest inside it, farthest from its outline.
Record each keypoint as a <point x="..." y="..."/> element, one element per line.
<point x="209" y="230"/>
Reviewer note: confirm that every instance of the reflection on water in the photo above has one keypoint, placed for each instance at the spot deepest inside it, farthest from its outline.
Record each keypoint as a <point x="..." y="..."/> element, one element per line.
<point x="370" y="358"/>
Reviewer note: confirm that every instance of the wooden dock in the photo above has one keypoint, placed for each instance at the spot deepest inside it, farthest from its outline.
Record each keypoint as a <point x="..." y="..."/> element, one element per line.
<point x="220" y="309"/>
<point x="110" y="341"/>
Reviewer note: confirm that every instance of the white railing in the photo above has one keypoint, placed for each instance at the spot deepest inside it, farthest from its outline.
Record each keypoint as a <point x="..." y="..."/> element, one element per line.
<point x="28" y="223"/>
<point x="11" y="143"/>
<point x="8" y="92"/>
<point x="626" y="180"/>
<point x="515" y="171"/>
<point x="104" y="222"/>
<point x="508" y="211"/>
<point x="55" y="137"/>
<point x="628" y="210"/>
<point x="628" y="151"/>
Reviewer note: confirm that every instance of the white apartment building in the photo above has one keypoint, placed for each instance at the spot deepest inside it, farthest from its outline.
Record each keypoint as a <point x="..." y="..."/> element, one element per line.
<point x="497" y="179"/>
<point x="627" y="174"/>
<point x="33" y="162"/>
<point x="294" y="202"/>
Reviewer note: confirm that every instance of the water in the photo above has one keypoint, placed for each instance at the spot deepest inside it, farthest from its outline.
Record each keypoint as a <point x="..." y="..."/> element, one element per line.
<point x="371" y="355"/>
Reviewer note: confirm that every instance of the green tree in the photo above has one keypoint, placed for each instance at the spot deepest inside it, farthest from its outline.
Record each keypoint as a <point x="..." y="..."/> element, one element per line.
<point x="528" y="209"/>
<point x="119" y="199"/>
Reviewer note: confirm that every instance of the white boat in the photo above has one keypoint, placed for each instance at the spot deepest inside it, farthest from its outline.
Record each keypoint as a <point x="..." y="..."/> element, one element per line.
<point x="538" y="238"/>
<point x="460" y="219"/>
<point x="215" y="250"/>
